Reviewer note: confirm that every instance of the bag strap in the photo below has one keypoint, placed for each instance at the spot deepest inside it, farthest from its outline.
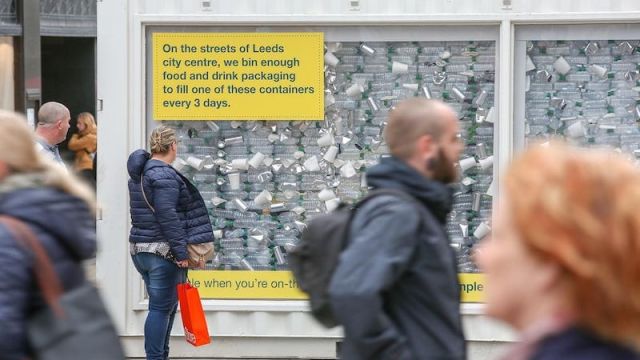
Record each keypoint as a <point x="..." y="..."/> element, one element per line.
<point x="389" y="192"/>
<point x="144" y="195"/>
<point x="48" y="282"/>
<point x="395" y="193"/>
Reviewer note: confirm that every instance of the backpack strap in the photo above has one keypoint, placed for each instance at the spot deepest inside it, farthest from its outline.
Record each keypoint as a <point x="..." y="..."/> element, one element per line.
<point x="402" y="195"/>
<point x="425" y="211"/>
<point x="387" y="191"/>
<point x="394" y="193"/>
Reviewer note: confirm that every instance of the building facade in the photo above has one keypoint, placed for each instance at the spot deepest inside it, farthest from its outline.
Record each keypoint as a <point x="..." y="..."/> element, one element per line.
<point x="516" y="72"/>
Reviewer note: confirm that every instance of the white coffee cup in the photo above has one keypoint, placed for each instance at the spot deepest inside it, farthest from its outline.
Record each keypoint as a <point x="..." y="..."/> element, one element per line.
<point x="486" y="163"/>
<point x="347" y="170"/>
<point x="312" y="164"/>
<point x="355" y="90"/>
<point x="482" y="230"/>
<point x="263" y="198"/>
<point x="257" y="160"/>
<point x="562" y="66"/>
<point x="331" y="59"/>
<point x="195" y="162"/>
<point x="240" y="164"/>
<point x="598" y="70"/>
<point x="234" y="181"/>
<point x="576" y="130"/>
<point x="332" y="204"/>
<point x="491" y="116"/>
<point x="530" y="65"/>
<point x="468" y="163"/>
<point x="331" y="154"/>
<point x="179" y="164"/>
<point x="326" y="140"/>
<point x="326" y="195"/>
<point x="399" y="68"/>
<point x="413" y="87"/>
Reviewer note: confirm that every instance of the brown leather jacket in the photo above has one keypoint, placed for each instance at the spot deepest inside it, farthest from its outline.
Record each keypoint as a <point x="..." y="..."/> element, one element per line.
<point x="84" y="146"/>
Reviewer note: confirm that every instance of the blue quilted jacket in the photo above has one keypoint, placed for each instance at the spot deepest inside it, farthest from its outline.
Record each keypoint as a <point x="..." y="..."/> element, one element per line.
<point x="180" y="216"/>
<point x="66" y="229"/>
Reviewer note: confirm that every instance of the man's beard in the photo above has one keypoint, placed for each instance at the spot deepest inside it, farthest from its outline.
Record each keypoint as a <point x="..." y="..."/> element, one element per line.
<point x="443" y="169"/>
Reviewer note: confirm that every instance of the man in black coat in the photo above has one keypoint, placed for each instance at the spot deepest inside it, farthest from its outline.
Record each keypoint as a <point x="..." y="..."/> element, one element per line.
<point x="395" y="289"/>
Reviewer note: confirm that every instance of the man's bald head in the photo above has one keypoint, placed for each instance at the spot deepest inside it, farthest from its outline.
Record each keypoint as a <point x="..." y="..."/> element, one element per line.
<point x="53" y="122"/>
<point x="411" y="120"/>
<point x="52" y="112"/>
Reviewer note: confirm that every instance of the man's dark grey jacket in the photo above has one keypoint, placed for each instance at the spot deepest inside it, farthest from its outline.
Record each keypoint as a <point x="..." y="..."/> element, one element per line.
<point x="396" y="289"/>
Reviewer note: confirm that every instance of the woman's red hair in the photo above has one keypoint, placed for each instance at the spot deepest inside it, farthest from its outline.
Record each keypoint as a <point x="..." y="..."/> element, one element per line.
<point x="580" y="209"/>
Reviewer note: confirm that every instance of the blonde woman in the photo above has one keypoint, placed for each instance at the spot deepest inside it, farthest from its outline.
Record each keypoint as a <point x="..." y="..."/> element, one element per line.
<point x="58" y="210"/>
<point x="167" y="213"/>
<point x="84" y="143"/>
<point x="562" y="265"/>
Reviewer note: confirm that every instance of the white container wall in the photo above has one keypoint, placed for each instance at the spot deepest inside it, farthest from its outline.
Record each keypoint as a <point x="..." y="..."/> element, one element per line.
<point x="588" y="98"/>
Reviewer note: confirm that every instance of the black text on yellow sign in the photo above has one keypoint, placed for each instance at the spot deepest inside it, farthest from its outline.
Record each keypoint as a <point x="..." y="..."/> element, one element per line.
<point x="281" y="285"/>
<point x="238" y="76"/>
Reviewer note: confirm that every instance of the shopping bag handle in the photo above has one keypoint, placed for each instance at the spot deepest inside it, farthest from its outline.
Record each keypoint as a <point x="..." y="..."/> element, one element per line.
<point x="45" y="273"/>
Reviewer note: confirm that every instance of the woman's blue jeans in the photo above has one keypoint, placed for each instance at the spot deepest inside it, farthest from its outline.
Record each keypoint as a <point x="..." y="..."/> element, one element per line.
<point x="160" y="278"/>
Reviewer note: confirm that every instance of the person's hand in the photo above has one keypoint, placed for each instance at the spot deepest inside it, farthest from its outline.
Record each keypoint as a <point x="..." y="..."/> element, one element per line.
<point x="183" y="263"/>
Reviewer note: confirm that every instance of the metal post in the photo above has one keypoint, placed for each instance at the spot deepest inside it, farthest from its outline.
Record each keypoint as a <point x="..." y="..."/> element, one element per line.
<point x="28" y="79"/>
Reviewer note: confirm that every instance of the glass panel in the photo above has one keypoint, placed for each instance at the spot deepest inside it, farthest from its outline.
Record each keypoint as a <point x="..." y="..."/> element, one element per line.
<point x="585" y="92"/>
<point x="68" y="7"/>
<point x="8" y="12"/>
<point x="74" y="18"/>
<point x="263" y="180"/>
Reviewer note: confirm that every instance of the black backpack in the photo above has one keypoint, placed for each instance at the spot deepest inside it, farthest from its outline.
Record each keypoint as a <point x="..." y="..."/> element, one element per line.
<point x="314" y="260"/>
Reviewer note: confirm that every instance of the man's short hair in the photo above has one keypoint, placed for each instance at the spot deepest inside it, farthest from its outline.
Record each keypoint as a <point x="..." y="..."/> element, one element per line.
<point x="411" y="120"/>
<point x="51" y="112"/>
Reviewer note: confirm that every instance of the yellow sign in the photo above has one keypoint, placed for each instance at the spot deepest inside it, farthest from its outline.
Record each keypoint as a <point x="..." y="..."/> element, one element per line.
<point x="246" y="285"/>
<point x="238" y="76"/>
<point x="280" y="285"/>
<point x="471" y="287"/>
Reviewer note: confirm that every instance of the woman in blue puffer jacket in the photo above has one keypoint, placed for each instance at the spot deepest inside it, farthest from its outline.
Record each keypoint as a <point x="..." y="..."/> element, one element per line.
<point x="58" y="209"/>
<point x="167" y="216"/>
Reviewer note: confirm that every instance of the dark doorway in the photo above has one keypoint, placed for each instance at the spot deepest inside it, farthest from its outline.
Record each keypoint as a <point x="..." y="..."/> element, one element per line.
<point x="69" y="77"/>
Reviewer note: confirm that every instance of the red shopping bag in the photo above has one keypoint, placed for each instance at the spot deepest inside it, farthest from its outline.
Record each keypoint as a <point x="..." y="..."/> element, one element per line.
<point x="193" y="319"/>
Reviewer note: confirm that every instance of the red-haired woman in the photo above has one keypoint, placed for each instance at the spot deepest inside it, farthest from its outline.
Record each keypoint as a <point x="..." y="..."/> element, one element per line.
<point x="562" y="263"/>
